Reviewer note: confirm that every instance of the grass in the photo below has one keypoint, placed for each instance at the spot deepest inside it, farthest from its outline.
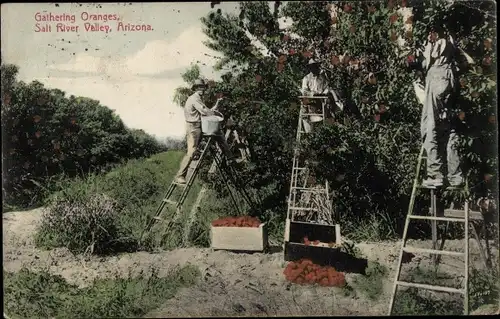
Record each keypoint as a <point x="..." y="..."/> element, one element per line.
<point x="483" y="290"/>
<point x="371" y="285"/>
<point x="30" y="294"/>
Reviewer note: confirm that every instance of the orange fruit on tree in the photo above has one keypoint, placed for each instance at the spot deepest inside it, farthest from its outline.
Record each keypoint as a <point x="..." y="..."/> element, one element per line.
<point x="487" y="60"/>
<point x="393" y="18"/>
<point x="487" y="43"/>
<point x="335" y="60"/>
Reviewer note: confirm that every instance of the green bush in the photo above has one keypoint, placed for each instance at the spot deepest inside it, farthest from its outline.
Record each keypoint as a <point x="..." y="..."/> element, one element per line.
<point x="29" y="294"/>
<point x="80" y="221"/>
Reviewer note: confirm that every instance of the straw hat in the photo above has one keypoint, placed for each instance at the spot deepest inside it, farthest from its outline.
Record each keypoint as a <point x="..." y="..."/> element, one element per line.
<point x="198" y="83"/>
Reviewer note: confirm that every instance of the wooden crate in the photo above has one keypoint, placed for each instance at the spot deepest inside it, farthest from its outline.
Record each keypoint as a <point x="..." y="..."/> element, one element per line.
<point x="322" y="253"/>
<point x="295" y="231"/>
<point x="239" y="238"/>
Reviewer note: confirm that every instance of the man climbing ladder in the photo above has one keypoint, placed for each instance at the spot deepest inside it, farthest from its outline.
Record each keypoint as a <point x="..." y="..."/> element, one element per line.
<point x="194" y="109"/>
<point x="439" y="142"/>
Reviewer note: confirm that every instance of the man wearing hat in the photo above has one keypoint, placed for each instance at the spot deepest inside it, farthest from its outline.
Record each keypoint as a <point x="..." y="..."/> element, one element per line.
<point x="316" y="83"/>
<point x="194" y="109"/>
<point x="437" y="126"/>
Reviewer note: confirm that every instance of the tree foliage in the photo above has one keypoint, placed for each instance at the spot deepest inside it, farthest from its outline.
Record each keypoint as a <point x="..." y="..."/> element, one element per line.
<point x="46" y="135"/>
<point x="182" y="93"/>
<point x="370" y="159"/>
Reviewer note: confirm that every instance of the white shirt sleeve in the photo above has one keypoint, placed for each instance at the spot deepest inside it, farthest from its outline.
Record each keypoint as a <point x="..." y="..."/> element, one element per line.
<point x="200" y="106"/>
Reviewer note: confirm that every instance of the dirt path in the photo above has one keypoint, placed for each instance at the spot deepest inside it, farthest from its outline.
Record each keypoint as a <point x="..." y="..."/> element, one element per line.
<point x="232" y="284"/>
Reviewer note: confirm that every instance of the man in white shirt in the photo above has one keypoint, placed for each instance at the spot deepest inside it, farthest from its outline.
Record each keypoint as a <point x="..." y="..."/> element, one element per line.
<point x="316" y="83"/>
<point x="194" y="109"/>
<point x="440" y="138"/>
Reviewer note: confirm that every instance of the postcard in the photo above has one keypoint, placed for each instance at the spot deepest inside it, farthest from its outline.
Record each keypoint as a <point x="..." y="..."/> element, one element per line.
<point x="254" y="158"/>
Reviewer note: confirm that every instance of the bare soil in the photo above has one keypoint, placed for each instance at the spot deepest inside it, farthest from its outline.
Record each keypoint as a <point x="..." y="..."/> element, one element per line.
<point x="232" y="284"/>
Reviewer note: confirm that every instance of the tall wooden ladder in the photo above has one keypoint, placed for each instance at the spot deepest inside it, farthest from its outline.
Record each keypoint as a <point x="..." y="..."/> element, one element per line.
<point x="450" y="215"/>
<point x="299" y="177"/>
<point x="207" y="145"/>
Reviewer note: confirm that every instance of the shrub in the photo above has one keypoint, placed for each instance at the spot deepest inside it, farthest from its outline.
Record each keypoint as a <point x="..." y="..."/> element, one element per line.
<point x="85" y="223"/>
<point x="29" y="294"/>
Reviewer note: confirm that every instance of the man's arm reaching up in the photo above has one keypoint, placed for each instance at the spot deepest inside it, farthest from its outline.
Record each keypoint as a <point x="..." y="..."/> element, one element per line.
<point x="201" y="107"/>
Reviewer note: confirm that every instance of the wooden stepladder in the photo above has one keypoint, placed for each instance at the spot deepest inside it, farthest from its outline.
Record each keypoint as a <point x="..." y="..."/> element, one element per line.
<point x="207" y="145"/>
<point x="461" y="215"/>
<point x="297" y="227"/>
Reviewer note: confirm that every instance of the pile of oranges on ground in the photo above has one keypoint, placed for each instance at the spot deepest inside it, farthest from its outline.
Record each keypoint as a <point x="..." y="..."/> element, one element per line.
<point x="241" y="221"/>
<point x="305" y="272"/>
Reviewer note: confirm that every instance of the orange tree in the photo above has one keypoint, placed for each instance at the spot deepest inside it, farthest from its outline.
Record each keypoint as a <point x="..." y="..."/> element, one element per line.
<point x="369" y="160"/>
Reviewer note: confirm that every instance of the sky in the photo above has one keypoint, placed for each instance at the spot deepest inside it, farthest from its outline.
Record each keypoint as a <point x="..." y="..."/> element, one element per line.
<point x="134" y="73"/>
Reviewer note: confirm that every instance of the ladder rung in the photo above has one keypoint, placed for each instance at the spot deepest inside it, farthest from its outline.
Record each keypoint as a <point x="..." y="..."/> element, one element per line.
<point x="313" y="97"/>
<point x="432" y="251"/>
<point x="157" y="218"/>
<point x="311" y="189"/>
<point x="312" y="114"/>
<point x="179" y="184"/>
<point x="302" y="208"/>
<point x="427" y="187"/>
<point x="444" y="219"/>
<point x="460" y="213"/>
<point x="430" y="287"/>
<point x="310" y="223"/>
<point x="169" y="201"/>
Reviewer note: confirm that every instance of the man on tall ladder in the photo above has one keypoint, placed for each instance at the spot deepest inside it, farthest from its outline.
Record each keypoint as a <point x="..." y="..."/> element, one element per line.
<point x="316" y="83"/>
<point x="437" y="129"/>
<point x="194" y="109"/>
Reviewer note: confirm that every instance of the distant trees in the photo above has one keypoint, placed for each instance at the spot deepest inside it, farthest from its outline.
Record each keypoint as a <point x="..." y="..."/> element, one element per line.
<point x="46" y="135"/>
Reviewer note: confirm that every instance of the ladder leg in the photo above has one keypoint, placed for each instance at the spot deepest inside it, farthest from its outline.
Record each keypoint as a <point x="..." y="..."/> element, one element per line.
<point x="443" y="239"/>
<point x="466" y="283"/>
<point x="434" y="225"/>
<point x="480" y="246"/>
<point x="223" y="176"/>
<point x="192" y="215"/>
<point x="398" y="269"/>
<point x="405" y="231"/>
<point x="188" y="185"/>
<point x="487" y="245"/>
